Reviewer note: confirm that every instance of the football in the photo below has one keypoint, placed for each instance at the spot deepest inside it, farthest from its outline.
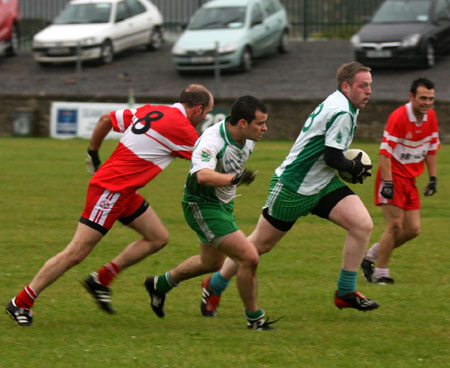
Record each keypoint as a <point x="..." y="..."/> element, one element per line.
<point x="350" y="155"/>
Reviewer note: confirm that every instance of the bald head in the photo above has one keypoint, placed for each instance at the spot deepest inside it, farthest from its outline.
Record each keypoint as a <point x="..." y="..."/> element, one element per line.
<point x="196" y="94"/>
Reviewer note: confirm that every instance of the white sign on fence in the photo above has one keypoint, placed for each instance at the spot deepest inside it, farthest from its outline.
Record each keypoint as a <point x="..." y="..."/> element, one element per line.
<point x="78" y="119"/>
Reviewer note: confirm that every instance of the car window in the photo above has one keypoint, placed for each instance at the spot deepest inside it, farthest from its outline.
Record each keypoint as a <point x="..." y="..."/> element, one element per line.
<point x="442" y="10"/>
<point x="122" y="11"/>
<point x="217" y="18"/>
<point x="135" y="7"/>
<point x="257" y="16"/>
<point x="85" y="13"/>
<point x="403" y="11"/>
<point x="270" y="6"/>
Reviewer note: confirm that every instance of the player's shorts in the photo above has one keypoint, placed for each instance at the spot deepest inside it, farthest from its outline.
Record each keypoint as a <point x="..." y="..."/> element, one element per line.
<point x="104" y="207"/>
<point x="283" y="207"/>
<point x="406" y="195"/>
<point x="210" y="220"/>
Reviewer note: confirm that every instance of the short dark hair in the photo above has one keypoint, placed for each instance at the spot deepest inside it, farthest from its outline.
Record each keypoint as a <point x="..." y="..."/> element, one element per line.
<point x="194" y="95"/>
<point x="424" y="82"/>
<point x="245" y="107"/>
<point x="347" y="72"/>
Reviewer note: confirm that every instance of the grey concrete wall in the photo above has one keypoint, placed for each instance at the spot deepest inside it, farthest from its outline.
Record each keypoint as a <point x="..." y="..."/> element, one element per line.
<point x="286" y="117"/>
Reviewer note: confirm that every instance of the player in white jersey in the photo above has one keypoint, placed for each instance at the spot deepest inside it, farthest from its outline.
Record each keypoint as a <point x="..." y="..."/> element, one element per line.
<point x="217" y="168"/>
<point x="153" y="136"/>
<point x="306" y="182"/>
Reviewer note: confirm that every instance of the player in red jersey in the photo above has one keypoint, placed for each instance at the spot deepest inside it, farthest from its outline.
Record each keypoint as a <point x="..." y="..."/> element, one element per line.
<point x="153" y="136"/>
<point x="410" y="138"/>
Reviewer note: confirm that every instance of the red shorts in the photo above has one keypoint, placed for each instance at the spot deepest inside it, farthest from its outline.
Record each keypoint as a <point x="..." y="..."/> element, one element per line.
<point x="104" y="207"/>
<point x="406" y="195"/>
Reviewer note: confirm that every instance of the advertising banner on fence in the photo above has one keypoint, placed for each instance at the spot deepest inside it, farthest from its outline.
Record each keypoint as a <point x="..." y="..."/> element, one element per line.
<point x="78" y="119"/>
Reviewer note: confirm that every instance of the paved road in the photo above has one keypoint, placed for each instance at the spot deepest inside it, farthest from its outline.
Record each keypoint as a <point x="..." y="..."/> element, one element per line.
<point x="307" y="71"/>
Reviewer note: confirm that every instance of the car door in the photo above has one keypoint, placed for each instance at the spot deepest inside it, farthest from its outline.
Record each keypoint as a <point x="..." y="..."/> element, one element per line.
<point x="441" y="18"/>
<point x="257" y="29"/>
<point x="273" y="24"/>
<point x="140" y="23"/>
<point x="123" y="27"/>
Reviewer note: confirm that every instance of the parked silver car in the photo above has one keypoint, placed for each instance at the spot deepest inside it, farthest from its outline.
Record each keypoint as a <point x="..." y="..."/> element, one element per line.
<point x="234" y="31"/>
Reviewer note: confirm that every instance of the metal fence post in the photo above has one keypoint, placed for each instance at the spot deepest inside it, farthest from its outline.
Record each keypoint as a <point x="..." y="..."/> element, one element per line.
<point x="305" y="20"/>
<point x="216" y="70"/>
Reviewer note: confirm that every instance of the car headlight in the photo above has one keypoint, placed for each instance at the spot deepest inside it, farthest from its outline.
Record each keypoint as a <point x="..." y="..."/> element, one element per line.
<point x="228" y="48"/>
<point x="411" y="40"/>
<point x="177" y="50"/>
<point x="88" y="41"/>
<point x="355" y="40"/>
<point x="37" y="43"/>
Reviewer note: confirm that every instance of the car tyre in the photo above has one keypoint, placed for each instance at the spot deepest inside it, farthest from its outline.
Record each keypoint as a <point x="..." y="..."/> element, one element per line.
<point x="156" y="39"/>
<point x="14" y="42"/>
<point x="246" y="60"/>
<point x="283" y="46"/>
<point x="430" y="55"/>
<point x="106" y="52"/>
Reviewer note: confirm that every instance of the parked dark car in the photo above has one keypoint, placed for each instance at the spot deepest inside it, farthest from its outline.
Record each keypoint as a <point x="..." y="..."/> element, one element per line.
<point x="405" y="32"/>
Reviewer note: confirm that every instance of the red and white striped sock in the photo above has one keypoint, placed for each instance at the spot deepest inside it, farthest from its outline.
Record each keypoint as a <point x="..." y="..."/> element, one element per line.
<point x="25" y="299"/>
<point x="107" y="273"/>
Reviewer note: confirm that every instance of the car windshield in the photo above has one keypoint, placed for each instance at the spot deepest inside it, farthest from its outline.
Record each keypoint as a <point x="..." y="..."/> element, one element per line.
<point x="403" y="11"/>
<point x="216" y="18"/>
<point x="85" y="13"/>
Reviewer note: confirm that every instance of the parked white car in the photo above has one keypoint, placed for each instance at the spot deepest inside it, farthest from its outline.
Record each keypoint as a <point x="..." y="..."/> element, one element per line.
<point x="97" y="30"/>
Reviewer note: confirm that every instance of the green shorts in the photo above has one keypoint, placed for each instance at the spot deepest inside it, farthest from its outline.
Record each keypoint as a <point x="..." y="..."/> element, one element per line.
<point x="210" y="220"/>
<point x="286" y="205"/>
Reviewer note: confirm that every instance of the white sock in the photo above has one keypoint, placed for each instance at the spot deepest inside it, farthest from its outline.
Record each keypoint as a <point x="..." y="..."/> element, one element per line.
<point x="381" y="272"/>
<point x="372" y="253"/>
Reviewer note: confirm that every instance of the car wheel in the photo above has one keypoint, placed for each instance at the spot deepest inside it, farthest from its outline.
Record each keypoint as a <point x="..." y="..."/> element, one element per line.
<point x="14" y="41"/>
<point x="283" y="46"/>
<point x="156" y="39"/>
<point x="430" y="55"/>
<point x="246" y="60"/>
<point x="107" y="52"/>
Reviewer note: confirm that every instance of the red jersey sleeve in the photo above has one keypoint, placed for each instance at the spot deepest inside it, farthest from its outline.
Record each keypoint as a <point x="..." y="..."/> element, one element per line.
<point x="121" y="119"/>
<point x="435" y="143"/>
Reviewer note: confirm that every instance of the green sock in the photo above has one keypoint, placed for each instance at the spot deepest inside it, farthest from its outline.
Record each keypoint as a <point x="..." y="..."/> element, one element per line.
<point x="218" y="283"/>
<point x="252" y="316"/>
<point x="165" y="283"/>
<point x="346" y="282"/>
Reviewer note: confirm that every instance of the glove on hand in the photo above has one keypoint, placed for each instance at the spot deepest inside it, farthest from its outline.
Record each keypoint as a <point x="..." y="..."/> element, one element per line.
<point x="387" y="191"/>
<point x="359" y="170"/>
<point x="92" y="161"/>
<point x="430" y="189"/>
<point x="246" y="176"/>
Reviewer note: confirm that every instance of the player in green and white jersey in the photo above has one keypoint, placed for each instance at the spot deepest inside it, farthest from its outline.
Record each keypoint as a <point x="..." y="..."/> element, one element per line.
<point x="217" y="168"/>
<point x="306" y="182"/>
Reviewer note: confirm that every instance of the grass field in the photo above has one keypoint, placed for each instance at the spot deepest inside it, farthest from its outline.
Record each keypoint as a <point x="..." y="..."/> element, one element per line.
<point x="43" y="183"/>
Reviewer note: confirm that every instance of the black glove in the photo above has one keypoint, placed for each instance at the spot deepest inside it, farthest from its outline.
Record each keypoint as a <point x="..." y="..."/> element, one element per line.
<point x="246" y="176"/>
<point x="92" y="161"/>
<point x="387" y="190"/>
<point x="430" y="189"/>
<point x="359" y="170"/>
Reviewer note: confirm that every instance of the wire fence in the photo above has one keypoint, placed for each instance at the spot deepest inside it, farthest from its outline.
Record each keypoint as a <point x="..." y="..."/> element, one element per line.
<point x="308" y="18"/>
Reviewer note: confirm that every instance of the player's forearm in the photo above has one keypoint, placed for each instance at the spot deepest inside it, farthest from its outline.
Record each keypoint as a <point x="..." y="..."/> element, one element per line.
<point x="335" y="158"/>
<point x="386" y="168"/>
<point x="100" y="131"/>
<point x="431" y="161"/>
<point x="213" y="178"/>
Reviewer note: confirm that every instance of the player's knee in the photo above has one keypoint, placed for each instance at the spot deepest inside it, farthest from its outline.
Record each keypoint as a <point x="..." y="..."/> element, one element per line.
<point x="413" y="232"/>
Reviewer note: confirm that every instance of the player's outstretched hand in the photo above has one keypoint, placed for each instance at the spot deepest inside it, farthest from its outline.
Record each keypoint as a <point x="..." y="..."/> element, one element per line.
<point x="360" y="171"/>
<point x="387" y="190"/>
<point x="246" y="176"/>
<point x="92" y="161"/>
<point x="430" y="189"/>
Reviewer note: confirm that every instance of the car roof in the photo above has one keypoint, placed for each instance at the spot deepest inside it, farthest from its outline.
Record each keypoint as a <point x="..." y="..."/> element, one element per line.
<point x="226" y="3"/>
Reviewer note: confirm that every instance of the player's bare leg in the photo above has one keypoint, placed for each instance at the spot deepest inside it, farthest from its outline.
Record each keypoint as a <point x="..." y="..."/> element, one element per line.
<point x="351" y="214"/>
